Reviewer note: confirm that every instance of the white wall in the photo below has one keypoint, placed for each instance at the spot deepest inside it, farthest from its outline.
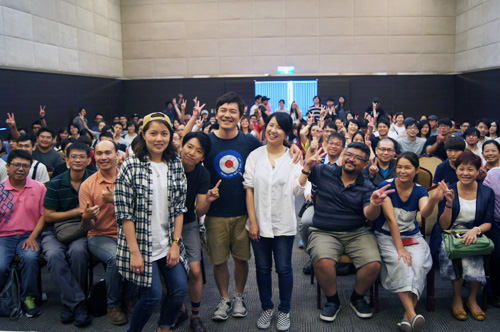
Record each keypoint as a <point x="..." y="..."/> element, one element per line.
<point x="477" y="35"/>
<point x="77" y="36"/>
<point x="203" y="37"/>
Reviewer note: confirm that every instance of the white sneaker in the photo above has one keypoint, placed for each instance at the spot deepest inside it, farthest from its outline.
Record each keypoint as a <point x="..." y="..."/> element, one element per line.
<point x="239" y="306"/>
<point x="283" y="323"/>
<point x="265" y="318"/>
<point x="223" y="309"/>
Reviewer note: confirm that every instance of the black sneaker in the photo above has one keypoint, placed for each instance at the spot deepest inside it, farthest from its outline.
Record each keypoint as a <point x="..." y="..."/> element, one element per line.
<point x="67" y="315"/>
<point x="307" y="268"/>
<point x="30" y="307"/>
<point x="329" y="312"/>
<point x="362" y="309"/>
<point x="82" y="318"/>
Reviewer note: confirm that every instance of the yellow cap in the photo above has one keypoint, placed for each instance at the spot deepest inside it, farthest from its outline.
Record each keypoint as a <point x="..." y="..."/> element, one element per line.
<point x="156" y="116"/>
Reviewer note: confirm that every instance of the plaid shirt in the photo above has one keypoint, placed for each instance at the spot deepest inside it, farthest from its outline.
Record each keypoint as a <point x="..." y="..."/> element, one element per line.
<point x="133" y="201"/>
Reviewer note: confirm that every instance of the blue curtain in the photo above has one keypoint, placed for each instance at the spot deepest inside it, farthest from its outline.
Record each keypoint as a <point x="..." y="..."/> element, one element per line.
<point x="300" y="91"/>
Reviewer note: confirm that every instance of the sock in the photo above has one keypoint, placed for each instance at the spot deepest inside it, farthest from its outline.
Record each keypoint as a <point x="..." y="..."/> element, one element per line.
<point x="355" y="296"/>
<point x="195" y="309"/>
<point x="333" y="298"/>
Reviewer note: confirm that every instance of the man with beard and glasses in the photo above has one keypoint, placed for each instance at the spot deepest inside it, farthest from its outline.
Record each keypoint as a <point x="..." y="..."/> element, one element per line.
<point x="345" y="200"/>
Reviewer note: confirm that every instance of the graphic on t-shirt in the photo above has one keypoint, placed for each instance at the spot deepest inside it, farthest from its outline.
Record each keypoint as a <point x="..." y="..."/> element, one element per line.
<point x="228" y="164"/>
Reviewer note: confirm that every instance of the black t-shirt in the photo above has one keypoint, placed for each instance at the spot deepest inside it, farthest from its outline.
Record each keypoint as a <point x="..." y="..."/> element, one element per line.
<point x="226" y="161"/>
<point x="380" y="112"/>
<point x="198" y="182"/>
<point x="440" y="151"/>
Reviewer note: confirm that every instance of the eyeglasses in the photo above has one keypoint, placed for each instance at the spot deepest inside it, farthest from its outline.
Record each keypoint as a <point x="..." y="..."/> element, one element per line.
<point x="19" y="165"/>
<point x="385" y="150"/>
<point x="349" y="155"/>
<point x="79" y="156"/>
<point x="334" y="144"/>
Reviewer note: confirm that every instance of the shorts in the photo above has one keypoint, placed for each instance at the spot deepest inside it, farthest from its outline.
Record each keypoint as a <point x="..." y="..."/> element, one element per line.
<point x="360" y="245"/>
<point x="227" y="235"/>
<point x="192" y="242"/>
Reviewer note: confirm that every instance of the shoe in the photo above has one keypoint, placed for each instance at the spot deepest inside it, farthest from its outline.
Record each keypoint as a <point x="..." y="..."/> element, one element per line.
<point x="67" y="315"/>
<point x="459" y="315"/>
<point x="362" y="309"/>
<point x="405" y="325"/>
<point x="301" y="244"/>
<point x="82" y="318"/>
<point x="477" y="315"/>
<point x="116" y="315"/>
<point x="283" y="323"/>
<point x="239" y="306"/>
<point x="265" y="318"/>
<point x="495" y="301"/>
<point x="182" y="315"/>
<point x="418" y="323"/>
<point x="307" y="268"/>
<point x="30" y="307"/>
<point x="128" y="306"/>
<point x="223" y="309"/>
<point x="197" y="325"/>
<point x="329" y="312"/>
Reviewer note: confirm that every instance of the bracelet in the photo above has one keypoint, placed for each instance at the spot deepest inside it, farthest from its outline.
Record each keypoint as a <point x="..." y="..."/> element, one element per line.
<point x="373" y="202"/>
<point x="478" y="229"/>
<point x="449" y="206"/>
<point x="305" y="172"/>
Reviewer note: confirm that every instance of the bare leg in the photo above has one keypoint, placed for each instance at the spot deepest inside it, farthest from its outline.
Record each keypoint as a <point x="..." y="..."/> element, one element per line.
<point x="366" y="276"/>
<point x="221" y="275"/>
<point x="457" y="295"/>
<point x="326" y="274"/>
<point x="407" y="301"/>
<point x="472" y="299"/>
<point x="195" y="281"/>
<point x="240" y="274"/>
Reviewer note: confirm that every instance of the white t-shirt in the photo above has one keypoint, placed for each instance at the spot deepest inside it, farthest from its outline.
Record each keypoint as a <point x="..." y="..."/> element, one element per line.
<point x="41" y="172"/>
<point x="467" y="211"/>
<point x="160" y="214"/>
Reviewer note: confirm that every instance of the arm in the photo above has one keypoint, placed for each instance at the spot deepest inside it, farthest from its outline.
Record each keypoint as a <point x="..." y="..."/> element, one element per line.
<point x="445" y="218"/>
<point x="390" y="216"/>
<point x="173" y="254"/>
<point x="11" y="123"/>
<point x="30" y="242"/>
<point x="432" y="148"/>
<point x="136" y="260"/>
<point x="42" y="116"/>
<point x="203" y="202"/>
<point x="51" y="216"/>
<point x="253" y="230"/>
<point x="372" y="210"/>
<point x="189" y="126"/>
<point x="427" y="205"/>
<point x="174" y="101"/>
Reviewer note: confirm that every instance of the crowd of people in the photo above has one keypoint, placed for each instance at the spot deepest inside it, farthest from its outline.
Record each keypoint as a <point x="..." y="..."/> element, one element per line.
<point x="134" y="193"/>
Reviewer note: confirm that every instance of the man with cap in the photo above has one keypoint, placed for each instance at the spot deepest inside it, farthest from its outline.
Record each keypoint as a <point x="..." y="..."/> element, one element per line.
<point x="258" y="101"/>
<point x="375" y="110"/>
<point x="433" y="123"/>
<point x="435" y="145"/>
<point x="411" y="142"/>
<point x="265" y="102"/>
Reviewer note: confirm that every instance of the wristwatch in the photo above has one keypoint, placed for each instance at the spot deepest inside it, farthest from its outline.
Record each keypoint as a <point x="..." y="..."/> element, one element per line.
<point x="177" y="240"/>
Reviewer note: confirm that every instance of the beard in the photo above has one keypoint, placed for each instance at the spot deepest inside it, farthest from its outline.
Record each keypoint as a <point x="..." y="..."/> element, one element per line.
<point x="349" y="171"/>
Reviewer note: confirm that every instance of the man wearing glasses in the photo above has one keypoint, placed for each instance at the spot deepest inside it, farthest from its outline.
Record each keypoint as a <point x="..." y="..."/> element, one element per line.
<point x="411" y="142"/>
<point x="345" y="200"/>
<point x="384" y="165"/>
<point x="21" y="222"/>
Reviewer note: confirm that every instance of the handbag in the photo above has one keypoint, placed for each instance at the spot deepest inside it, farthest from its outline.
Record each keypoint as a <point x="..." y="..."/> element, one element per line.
<point x="456" y="249"/>
<point x="69" y="230"/>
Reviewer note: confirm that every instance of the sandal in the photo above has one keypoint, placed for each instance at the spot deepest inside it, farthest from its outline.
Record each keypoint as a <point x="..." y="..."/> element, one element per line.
<point x="418" y="323"/>
<point x="477" y="315"/>
<point x="459" y="315"/>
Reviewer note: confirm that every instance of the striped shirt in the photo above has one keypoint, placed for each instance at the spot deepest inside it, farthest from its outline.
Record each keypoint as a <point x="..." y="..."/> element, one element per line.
<point x="134" y="200"/>
<point x="339" y="208"/>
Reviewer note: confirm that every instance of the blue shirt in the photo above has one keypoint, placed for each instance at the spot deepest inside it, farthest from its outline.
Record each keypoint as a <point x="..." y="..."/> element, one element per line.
<point x="226" y="161"/>
<point x="446" y="172"/>
<point x="339" y="208"/>
<point x="405" y="212"/>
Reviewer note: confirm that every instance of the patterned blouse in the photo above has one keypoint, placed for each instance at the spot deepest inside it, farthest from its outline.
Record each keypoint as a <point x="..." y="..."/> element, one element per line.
<point x="134" y="200"/>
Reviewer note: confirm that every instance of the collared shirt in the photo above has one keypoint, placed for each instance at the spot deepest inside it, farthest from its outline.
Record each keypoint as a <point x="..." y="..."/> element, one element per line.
<point x="91" y="193"/>
<point x="134" y="200"/>
<point x="274" y="191"/>
<point x="405" y="144"/>
<point x="339" y="208"/>
<point x="20" y="210"/>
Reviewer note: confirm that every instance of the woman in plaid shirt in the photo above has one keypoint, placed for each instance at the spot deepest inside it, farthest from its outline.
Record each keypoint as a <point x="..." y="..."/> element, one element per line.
<point x="150" y="195"/>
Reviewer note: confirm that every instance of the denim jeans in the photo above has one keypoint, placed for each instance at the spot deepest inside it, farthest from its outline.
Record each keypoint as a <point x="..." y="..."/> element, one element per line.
<point x="30" y="259"/>
<point x="176" y="283"/>
<point x="118" y="288"/>
<point x="67" y="265"/>
<point x="281" y="247"/>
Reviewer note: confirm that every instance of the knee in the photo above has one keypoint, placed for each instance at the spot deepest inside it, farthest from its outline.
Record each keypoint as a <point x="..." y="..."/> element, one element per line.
<point x="30" y="257"/>
<point x="179" y="289"/>
<point x="240" y="263"/>
<point x="371" y="268"/>
<point x="284" y="270"/>
<point x="195" y="270"/>
<point x="324" y="264"/>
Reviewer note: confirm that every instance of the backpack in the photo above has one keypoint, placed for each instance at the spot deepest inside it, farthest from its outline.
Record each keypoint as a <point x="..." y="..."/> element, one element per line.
<point x="10" y="297"/>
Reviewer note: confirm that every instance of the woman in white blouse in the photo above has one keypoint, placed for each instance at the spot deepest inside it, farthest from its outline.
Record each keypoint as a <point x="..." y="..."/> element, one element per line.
<point x="271" y="181"/>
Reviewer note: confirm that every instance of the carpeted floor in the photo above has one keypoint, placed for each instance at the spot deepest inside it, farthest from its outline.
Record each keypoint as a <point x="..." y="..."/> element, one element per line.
<point x="304" y="315"/>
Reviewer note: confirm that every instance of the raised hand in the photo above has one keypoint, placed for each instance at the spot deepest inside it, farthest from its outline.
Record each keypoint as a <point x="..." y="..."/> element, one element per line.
<point x="108" y="195"/>
<point x="483" y="171"/>
<point x="310" y="120"/>
<point x="368" y="142"/>
<point x="213" y="193"/>
<point x="197" y="110"/>
<point x="195" y="100"/>
<point x="440" y="138"/>
<point x="314" y="145"/>
<point x="183" y="104"/>
<point x="174" y="101"/>
<point x="11" y="122"/>
<point x="373" y="168"/>
<point x="379" y="195"/>
<point x="323" y="111"/>
<point x="91" y="212"/>
<point x="315" y="159"/>
<point x="180" y="95"/>
<point x="450" y="196"/>
<point x="439" y="192"/>
<point x="42" y="111"/>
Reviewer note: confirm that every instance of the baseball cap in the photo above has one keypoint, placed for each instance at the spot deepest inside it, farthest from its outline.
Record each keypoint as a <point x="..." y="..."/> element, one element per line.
<point x="156" y="116"/>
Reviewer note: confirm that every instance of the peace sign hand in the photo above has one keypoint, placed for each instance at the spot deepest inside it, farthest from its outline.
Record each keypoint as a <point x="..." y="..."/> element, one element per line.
<point x="42" y="111"/>
<point x="315" y="159"/>
<point x="11" y="122"/>
<point x="378" y="196"/>
<point x="197" y="110"/>
<point x="373" y="168"/>
<point x="213" y="193"/>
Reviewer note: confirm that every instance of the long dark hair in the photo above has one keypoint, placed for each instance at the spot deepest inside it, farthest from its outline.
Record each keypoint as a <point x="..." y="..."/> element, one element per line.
<point x="141" y="149"/>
